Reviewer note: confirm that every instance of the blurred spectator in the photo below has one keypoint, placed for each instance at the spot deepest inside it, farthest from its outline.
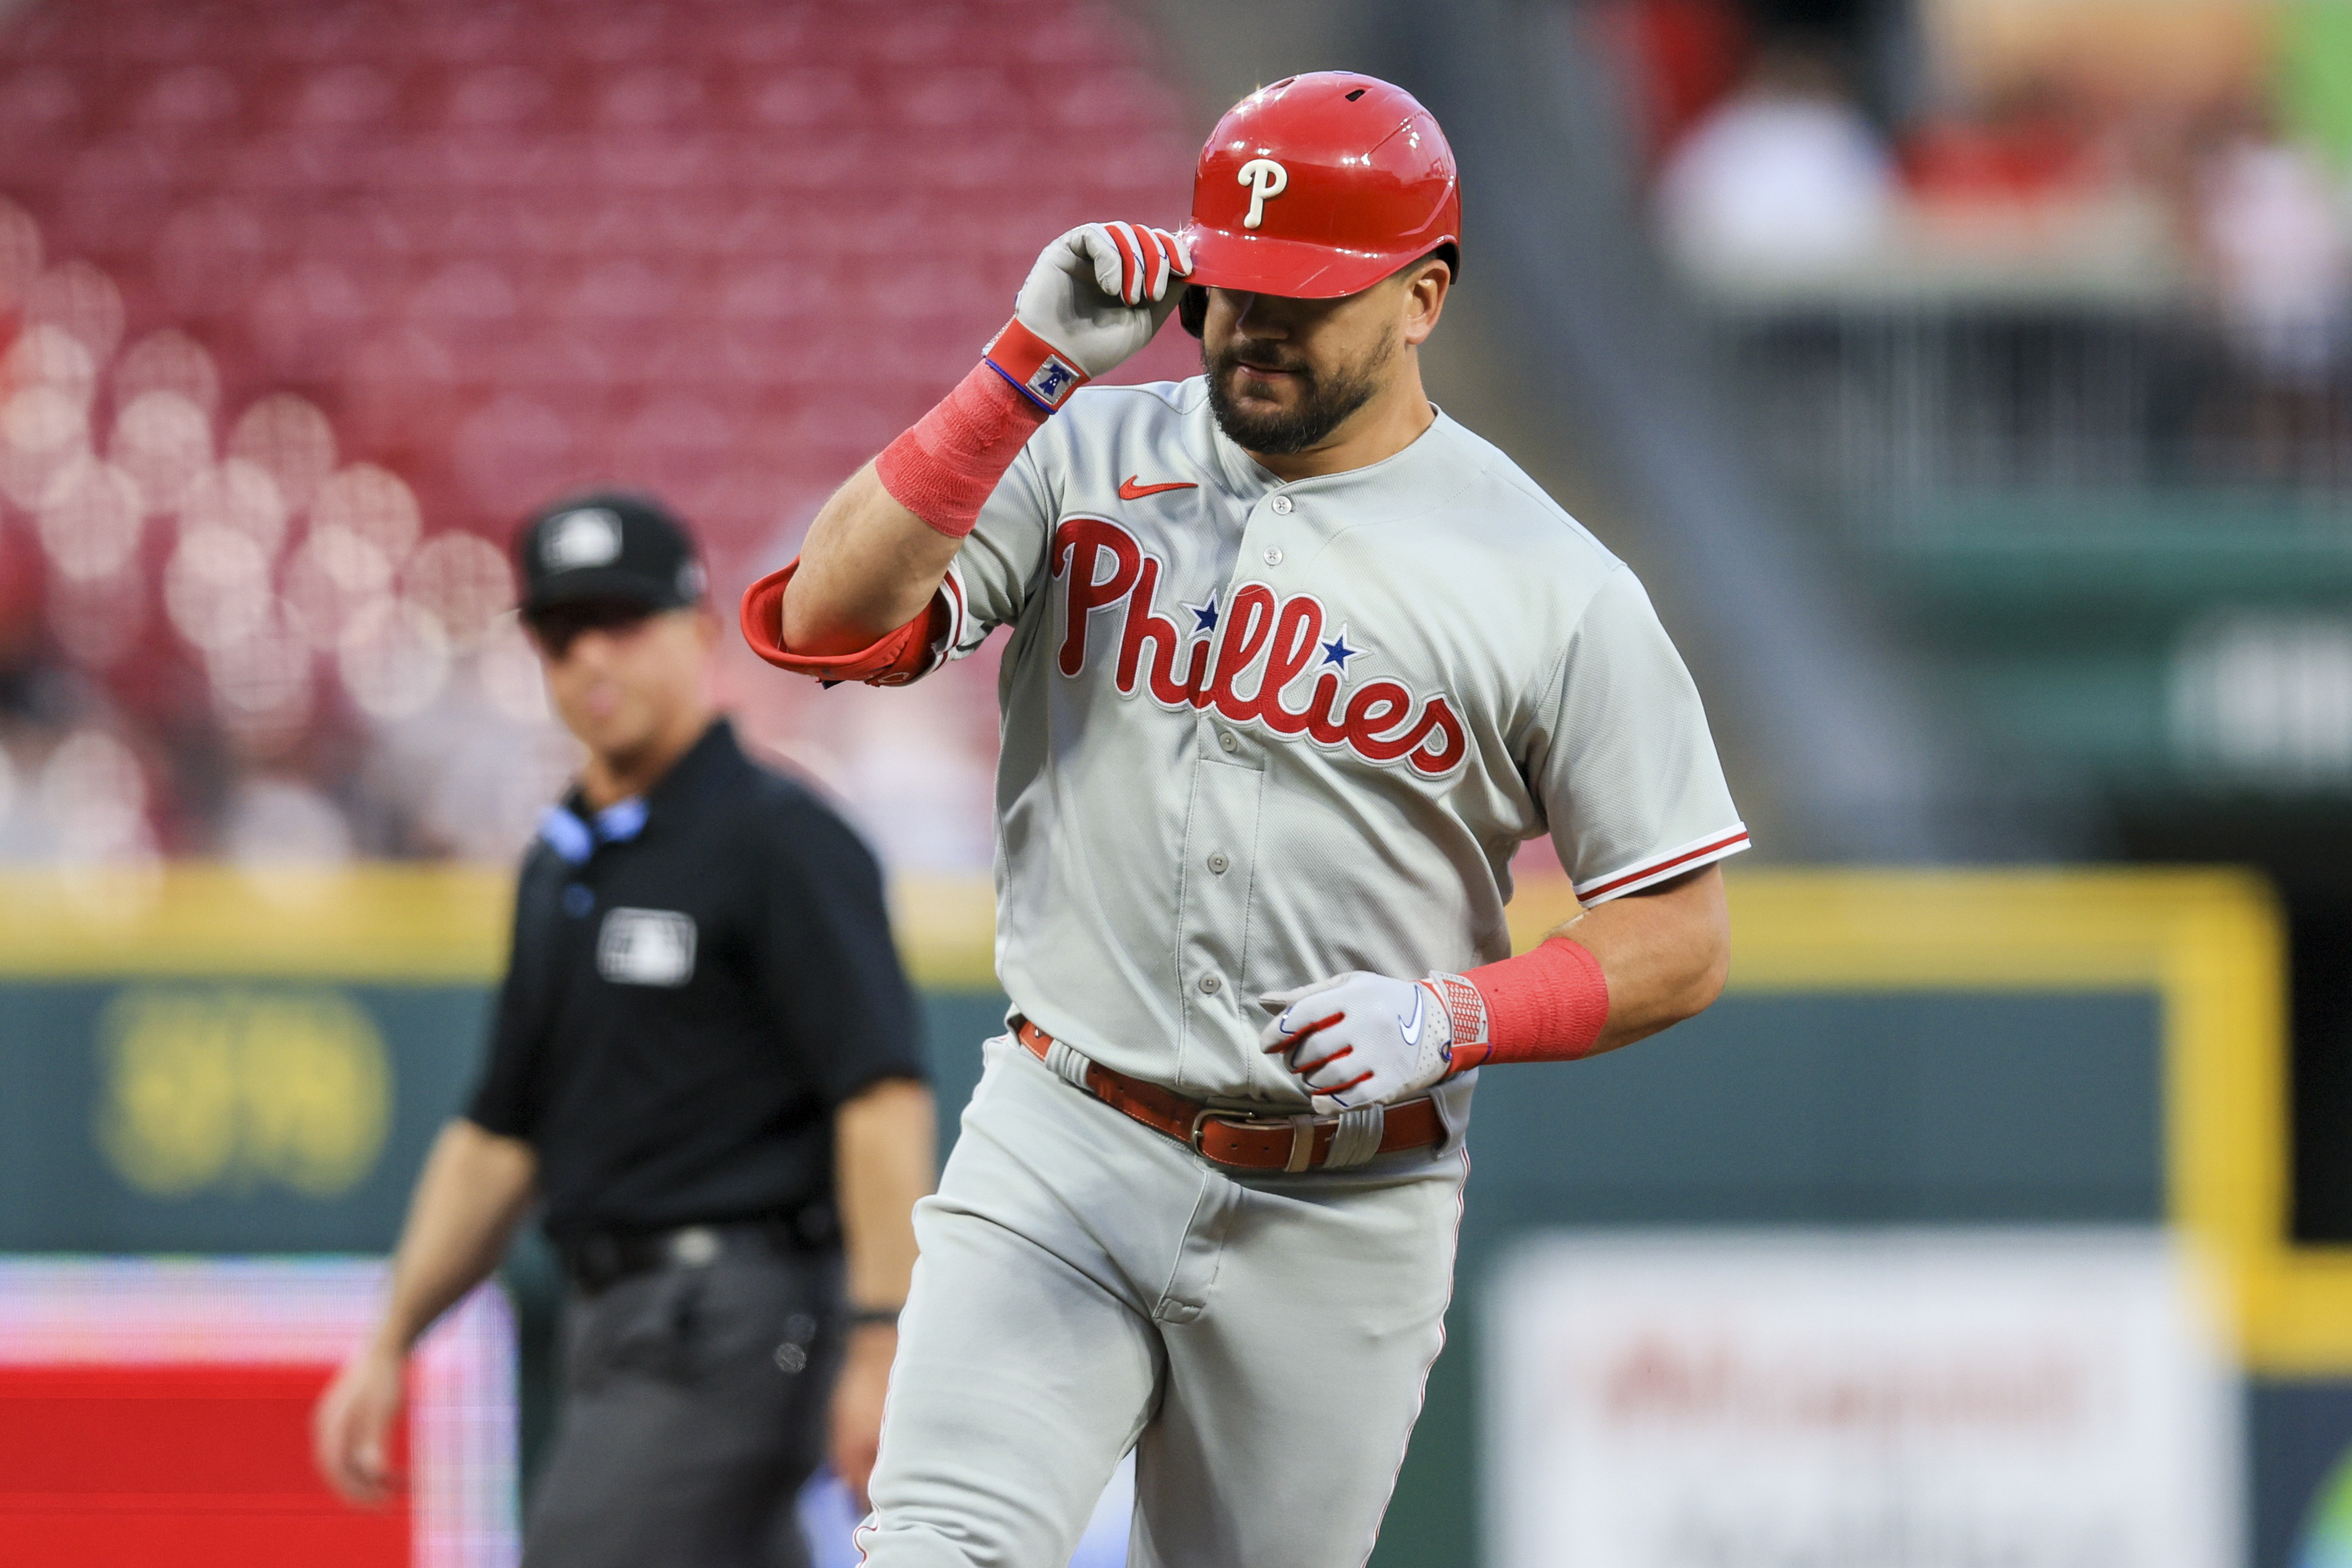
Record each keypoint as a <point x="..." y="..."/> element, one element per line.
<point x="2126" y="58"/>
<point x="2030" y="144"/>
<point x="1786" y="176"/>
<point x="2272" y="226"/>
<point x="913" y="786"/>
<point x="1677" y="58"/>
<point x="81" y="797"/>
<point x="467" y="776"/>
<point x="284" y="822"/>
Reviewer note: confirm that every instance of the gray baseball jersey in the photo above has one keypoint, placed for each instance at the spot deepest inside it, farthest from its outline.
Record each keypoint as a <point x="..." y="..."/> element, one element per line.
<point x="1256" y="734"/>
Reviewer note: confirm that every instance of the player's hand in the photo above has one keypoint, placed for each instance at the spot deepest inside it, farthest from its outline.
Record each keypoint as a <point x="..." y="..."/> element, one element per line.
<point x="1359" y="1039"/>
<point x="857" y="1393"/>
<point x="1100" y="291"/>
<point x="351" y="1429"/>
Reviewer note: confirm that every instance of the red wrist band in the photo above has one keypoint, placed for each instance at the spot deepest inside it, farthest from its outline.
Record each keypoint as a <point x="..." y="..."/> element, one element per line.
<point x="1044" y="373"/>
<point x="1548" y="1006"/>
<point x="948" y="463"/>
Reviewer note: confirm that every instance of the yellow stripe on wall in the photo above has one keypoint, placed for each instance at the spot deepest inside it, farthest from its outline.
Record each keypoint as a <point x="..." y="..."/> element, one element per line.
<point x="366" y="922"/>
<point x="2210" y="944"/>
<point x="370" y="923"/>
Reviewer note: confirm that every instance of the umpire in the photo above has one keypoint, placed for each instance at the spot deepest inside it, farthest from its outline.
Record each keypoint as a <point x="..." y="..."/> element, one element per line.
<point x="705" y="1074"/>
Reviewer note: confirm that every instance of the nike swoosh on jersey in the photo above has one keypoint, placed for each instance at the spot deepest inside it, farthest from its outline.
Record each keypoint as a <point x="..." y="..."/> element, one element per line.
<point x="1412" y="1027"/>
<point x="1131" y="488"/>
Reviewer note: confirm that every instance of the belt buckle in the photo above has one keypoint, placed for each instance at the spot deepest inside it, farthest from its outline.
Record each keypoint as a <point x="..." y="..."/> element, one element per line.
<point x="695" y="1245"/>
<point x="1302" y="1134"/>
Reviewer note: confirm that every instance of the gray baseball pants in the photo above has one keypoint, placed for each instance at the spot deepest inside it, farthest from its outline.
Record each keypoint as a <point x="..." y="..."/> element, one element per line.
<point x="695" y="1403"/>
<point x="1088" y="1284"/>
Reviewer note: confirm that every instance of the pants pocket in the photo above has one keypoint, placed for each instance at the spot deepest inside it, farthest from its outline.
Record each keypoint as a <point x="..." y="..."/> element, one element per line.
<point x="651" y="1326"/>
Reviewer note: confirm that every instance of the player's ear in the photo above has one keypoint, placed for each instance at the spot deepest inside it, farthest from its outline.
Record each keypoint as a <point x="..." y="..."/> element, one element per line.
<point x="1192" y="309"/>
<point x="1430" y="281"/>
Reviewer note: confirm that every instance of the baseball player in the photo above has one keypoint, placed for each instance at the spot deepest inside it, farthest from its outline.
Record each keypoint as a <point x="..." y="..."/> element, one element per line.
<point x="1295" y="663"/>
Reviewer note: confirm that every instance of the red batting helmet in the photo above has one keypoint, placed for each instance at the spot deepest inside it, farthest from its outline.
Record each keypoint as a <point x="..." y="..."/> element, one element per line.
<point x="1321" y="185"/>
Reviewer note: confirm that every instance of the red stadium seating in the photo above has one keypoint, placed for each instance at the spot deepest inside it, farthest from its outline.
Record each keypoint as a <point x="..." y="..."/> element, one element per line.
<point x="720" y="249"/>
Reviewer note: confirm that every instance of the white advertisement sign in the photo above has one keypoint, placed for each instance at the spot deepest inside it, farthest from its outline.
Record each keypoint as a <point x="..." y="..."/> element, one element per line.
<point x="2041" y="1399"/>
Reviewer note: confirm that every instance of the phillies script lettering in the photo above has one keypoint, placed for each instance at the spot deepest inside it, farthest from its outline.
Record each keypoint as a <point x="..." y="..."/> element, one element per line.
<point x="1260" y="648"/>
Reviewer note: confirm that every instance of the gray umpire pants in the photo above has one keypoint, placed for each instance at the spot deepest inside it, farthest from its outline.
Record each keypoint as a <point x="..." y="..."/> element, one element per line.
<point x="695" y="1404"/>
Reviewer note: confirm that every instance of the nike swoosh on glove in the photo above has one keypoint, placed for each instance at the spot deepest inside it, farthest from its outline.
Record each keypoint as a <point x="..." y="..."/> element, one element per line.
<point x="1360" y="1038"/>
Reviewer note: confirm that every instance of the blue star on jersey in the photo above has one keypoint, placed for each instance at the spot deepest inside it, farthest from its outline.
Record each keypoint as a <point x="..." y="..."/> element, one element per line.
<point x="1338" y="652"/>
<point x="1205" y="616"/>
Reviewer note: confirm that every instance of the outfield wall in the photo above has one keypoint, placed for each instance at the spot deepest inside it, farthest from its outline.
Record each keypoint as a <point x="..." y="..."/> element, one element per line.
<point x="201" y="1061"/>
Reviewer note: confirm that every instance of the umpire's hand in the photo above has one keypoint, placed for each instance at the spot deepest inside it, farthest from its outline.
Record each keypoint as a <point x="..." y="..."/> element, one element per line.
<point x="857" y="1406"/>
<point x="350" y="1429"/>
<point x="883" y="1162"/>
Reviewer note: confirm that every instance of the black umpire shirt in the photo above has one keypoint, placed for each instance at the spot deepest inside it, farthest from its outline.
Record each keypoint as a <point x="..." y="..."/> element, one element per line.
<point x="699" y="979"/>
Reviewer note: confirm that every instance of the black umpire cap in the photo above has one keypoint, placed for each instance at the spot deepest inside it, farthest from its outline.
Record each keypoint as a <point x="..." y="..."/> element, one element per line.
<point x="608" y="547"/>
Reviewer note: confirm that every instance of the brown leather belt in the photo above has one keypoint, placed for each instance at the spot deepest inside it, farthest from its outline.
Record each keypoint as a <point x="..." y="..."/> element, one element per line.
<point x="1237" y="1138"/>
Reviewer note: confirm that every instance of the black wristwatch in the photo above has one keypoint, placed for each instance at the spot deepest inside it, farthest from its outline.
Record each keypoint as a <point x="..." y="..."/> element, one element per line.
<point x="874" y="1317"/>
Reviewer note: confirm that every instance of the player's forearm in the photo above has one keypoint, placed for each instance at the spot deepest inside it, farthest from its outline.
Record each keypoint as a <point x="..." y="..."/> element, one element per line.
<point x="1665" y="951"/>
<point x="875" y="553"/>
<point x="878" y="567"/>
<point x="869" y="566"/>
<point x="884" y="1160"/>
<point x="475" y="1189"/>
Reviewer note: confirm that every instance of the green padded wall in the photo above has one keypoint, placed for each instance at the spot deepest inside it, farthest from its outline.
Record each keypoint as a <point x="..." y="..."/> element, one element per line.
<point x="196" y="1115"/>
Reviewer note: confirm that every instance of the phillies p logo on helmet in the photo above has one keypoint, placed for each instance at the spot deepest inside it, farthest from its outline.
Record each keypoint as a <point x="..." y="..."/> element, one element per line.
<point x="1266" y="178"/>
<point x="1365" y="181"/>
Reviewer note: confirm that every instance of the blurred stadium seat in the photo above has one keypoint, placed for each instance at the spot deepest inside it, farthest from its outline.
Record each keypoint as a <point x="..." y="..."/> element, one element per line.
<point x="723" y="250"/>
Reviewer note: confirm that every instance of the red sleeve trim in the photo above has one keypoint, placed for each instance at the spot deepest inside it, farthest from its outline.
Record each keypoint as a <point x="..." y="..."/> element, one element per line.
<point x="1685" y="858"/>
<point x="892" y="659"/>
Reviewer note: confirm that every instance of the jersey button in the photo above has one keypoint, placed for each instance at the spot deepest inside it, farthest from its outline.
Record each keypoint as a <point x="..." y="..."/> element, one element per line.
<point x="1218" y="863"/>
<point x="1274" y="554"/>
<point x="1208" y="983"/>
<point x="1225" y="739"/>
<point x="1283" y="506"/>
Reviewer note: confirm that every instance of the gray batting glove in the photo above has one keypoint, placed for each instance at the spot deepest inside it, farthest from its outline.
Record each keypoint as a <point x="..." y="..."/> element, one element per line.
<point x="1360" y="1038"/>
<point x="1100" y="291"/>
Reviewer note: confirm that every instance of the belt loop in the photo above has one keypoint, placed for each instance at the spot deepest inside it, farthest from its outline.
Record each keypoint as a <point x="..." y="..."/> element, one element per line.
<point x="1065" y="1061"/>
<point x="1358" y="1137"/>
<point x="1302" y="1143"/>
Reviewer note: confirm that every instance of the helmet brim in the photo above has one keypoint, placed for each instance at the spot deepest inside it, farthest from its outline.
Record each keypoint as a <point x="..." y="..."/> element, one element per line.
<point x="1289" y="269"/>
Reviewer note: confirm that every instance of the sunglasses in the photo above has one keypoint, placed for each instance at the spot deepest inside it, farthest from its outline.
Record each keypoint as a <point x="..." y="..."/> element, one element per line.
<point x="558" y="625"/>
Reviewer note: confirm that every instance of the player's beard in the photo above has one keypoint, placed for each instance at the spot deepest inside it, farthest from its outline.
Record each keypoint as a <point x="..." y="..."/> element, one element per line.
<point x="1325" y="399"/>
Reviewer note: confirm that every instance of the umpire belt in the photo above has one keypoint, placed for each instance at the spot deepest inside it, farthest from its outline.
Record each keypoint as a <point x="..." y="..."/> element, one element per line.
<point x="1239" y="1138"/>
<point x="602" y="1259"/>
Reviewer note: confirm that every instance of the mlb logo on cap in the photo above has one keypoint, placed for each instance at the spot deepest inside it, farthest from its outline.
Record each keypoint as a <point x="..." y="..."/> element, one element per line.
<point x="608" y="547"/>
<point x="589" y="536"/>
